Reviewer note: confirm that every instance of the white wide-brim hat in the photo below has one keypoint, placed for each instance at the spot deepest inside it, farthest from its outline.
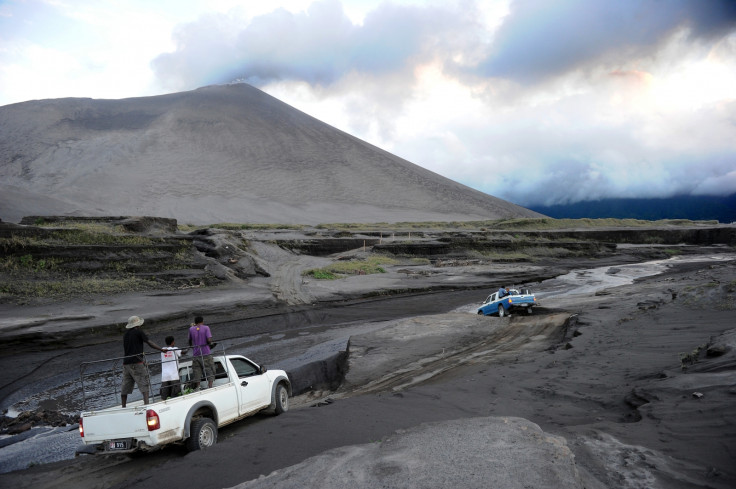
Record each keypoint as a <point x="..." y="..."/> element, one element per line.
<point x="133" y="321"/>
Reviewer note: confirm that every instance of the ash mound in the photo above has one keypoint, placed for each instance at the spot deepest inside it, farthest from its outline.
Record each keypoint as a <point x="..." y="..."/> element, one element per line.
<point x="217" y="154"/>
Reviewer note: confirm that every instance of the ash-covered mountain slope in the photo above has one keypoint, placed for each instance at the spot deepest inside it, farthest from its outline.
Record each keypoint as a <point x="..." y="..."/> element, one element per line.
<point x="217" y="154"/>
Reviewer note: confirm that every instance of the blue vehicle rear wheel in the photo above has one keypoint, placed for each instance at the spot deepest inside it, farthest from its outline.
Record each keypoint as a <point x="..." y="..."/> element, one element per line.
<point x="501" y="311"/>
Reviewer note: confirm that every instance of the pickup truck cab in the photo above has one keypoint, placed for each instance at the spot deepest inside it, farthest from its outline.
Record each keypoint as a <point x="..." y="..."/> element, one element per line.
<point x="241" y="388"/>
<point x="515" y="301"/>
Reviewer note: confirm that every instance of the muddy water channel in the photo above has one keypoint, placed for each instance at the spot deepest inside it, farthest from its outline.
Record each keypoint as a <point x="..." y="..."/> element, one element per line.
<point x="570" y="288"/>
<point x="307" y="343"/>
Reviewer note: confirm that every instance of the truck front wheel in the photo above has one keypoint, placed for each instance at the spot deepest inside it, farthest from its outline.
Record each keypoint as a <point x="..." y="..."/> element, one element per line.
<point x="203" y="434"/>
<point x="282" y="399"/>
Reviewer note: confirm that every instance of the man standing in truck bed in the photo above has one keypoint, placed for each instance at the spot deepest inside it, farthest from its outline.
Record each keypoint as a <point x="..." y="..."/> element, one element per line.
<point x="134" y="368"/>
<point x="200" y="337"/>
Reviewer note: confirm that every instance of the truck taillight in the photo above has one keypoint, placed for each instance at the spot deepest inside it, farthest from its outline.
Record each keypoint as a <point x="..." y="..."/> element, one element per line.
<point x="152" y="420"/>
<point x="511" y="300"/>
<point x="81" y="427"/>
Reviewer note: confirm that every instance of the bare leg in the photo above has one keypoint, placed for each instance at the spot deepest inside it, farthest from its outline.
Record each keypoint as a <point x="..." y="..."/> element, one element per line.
<point x="145" y="397"/>
<point x="209" y="383"/>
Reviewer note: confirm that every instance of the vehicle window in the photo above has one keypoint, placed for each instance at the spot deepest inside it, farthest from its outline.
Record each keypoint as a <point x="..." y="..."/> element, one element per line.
<point x="185" y="374"/>
<point x="220" y="372"/>
<point x="243" y="367"/>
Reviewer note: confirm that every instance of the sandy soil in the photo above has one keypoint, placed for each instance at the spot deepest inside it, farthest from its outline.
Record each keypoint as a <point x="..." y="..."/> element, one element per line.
<point x="605" y="377"/>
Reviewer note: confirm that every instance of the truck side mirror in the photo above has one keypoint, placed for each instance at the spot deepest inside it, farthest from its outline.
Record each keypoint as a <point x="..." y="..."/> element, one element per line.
<point x="262" y="370"/>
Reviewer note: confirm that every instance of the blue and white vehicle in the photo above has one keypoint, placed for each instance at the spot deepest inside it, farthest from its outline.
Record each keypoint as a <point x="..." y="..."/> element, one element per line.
<point x="516" y="300"/>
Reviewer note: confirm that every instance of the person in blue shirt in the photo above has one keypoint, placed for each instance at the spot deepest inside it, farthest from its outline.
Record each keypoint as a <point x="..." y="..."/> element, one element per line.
<point x="502" y="292"/>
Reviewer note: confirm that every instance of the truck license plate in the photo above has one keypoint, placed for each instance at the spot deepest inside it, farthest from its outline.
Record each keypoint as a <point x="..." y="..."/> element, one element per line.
<point x="118" y="445"/>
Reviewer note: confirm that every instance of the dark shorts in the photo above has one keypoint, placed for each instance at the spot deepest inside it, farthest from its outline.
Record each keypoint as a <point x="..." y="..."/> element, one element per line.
<point x="170" y="388"/>
<point x="134" y="374"/>
<point x="204" y="364"/>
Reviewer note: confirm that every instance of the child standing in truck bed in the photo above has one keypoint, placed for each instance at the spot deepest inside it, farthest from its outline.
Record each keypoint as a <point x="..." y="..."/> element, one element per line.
<point x="170" y="383"/>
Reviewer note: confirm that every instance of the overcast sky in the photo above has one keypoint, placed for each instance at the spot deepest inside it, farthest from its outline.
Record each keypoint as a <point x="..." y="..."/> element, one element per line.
<point x="534" y="101"/>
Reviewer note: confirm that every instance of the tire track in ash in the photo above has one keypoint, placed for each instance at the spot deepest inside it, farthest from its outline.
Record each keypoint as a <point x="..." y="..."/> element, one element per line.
<point x="288" y="285"/>
<point x="285" y="268"/>
<point x="514" y="336"/>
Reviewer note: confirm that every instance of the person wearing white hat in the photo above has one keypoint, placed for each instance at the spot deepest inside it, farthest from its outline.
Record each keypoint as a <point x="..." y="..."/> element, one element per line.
<point x="134" y="369"/>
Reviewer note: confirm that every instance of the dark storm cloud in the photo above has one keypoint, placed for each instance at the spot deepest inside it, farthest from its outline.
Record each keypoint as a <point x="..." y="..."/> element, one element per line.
<point x="318" y="46"/>
<point x="648" y="117"/>
<point x="538" y="39"/>
<point x="541" y="38"/>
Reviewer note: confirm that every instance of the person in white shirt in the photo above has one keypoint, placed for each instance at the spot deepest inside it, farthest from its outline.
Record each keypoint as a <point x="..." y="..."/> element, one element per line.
<point x="170" y="383"/>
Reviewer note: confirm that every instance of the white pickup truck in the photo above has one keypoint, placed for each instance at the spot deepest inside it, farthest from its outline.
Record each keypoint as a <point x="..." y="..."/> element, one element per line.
<point x="241" y="388"/>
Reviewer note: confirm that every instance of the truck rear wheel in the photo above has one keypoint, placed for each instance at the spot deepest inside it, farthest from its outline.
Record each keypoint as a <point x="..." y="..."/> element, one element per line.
<point x="501" y="311"/>
<point x="282" y="399"/>
<point x="203" y="434"/>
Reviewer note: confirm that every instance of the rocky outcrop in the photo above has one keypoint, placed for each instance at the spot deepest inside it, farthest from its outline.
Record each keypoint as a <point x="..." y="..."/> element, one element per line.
<point x="29" y="419"/>
<point x="64" y="256"/>
<point x="140" y="225"/>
